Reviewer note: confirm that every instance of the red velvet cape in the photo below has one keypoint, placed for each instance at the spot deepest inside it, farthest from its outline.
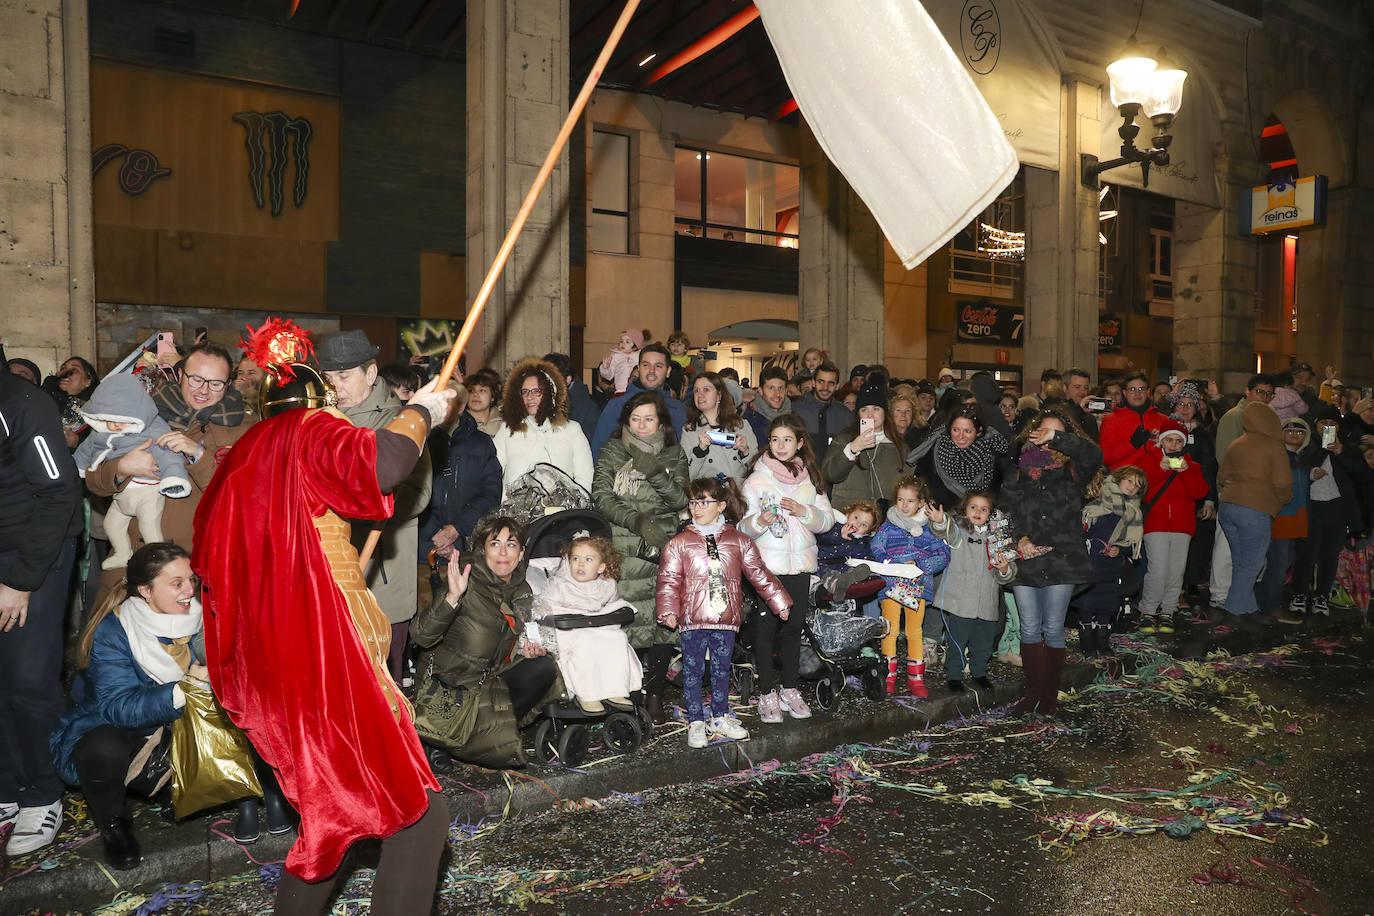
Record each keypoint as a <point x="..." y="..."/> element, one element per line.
<point x="284" y="655"/>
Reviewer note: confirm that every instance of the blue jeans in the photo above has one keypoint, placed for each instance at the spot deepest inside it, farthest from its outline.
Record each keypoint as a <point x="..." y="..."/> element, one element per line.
<point x="1247" y="534"/>
<point x="1269" y="592"/>
<point x="1042" y="612"/>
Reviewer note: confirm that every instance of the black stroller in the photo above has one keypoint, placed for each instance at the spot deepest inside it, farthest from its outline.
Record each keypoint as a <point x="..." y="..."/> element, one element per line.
<point x="565" y="730"/>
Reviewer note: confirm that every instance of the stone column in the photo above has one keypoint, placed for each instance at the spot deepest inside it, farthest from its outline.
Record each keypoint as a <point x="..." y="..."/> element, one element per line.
<point x="1062" y="247"/>
<point x="517" y="97"/>
<point x="45" y="186"/>
<point x="1214" y="284"/>
<point x="1335" y="311"/>
<point x="841" y="256"/>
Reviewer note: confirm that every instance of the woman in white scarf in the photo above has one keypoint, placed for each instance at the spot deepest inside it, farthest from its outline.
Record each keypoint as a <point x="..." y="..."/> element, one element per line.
<point x="136" y="652"/>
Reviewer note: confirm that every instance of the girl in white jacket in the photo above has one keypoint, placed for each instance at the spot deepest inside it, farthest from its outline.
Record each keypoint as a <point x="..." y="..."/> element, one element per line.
<point x="787" y="508"/>
<point x="535" y="428"/>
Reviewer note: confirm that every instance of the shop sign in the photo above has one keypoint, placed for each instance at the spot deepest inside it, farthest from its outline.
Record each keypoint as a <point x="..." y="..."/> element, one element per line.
<point x="1285" y="205"/>
<point x="979" y="321"/>
<point x="1109" y="334"/>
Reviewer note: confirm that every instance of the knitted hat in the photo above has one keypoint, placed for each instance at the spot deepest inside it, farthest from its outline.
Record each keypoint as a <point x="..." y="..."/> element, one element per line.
<point x="945" y="371"/>
<point x="636" y="337"/>
<point x="1188" y="391"/>
<point x="872" y="395"/>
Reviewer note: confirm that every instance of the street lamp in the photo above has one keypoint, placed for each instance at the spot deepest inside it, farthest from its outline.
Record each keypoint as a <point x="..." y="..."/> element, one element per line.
<point x="1140" y="82"/>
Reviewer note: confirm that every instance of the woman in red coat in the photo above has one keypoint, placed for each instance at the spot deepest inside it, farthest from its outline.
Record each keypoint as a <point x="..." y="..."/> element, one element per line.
<point x="1175" y="485"/>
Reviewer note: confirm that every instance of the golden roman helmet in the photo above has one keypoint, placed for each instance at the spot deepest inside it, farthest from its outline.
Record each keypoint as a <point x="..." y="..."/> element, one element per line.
<point x="282" y="348"/>
<point x="305" y="388"/>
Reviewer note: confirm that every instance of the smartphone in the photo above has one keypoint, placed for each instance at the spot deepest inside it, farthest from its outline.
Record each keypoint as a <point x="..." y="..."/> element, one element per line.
<point x="865" y="425"/>
<point x="1367" y="393"/>
<point x="1099" y="405"/>
<point x="1175" y="464"/>
<point x="1328" y="436"/>
<point x="726" y="439"/>
<point x="167" y="349"/>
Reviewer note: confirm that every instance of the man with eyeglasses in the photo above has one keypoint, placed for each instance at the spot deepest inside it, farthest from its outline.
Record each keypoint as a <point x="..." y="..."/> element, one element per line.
<point x="1260" y="389"/>
<point x="1127" y="429"/>
<point x="207" y="416"/>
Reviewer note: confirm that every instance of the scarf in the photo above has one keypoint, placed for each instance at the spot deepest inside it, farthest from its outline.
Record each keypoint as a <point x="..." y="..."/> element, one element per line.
<point x="765" y="410"/>
<point x="565" y="595"/>
<point x="172" y="406"/>
<point x="911" y="524"/>
<point x="1130" y="525"/>
<point x="628" y="479"/>
<point x="793" y="472"/>
<point x="146" y="628"/>
<point x="1036" y="460"/>
<point x="963" y="469"/>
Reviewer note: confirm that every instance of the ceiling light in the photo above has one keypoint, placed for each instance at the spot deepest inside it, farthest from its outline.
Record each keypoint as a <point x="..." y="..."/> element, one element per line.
<point x="649" y="58"/>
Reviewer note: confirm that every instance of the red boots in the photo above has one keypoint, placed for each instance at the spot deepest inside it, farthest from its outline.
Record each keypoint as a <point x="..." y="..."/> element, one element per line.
<point x="916" y="678"/>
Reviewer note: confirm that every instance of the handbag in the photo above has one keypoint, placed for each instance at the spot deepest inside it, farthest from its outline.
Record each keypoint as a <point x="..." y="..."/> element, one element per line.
<point x="445" y="715"/>
<point x="211" y="759"/>
<point x="152" y="765"/>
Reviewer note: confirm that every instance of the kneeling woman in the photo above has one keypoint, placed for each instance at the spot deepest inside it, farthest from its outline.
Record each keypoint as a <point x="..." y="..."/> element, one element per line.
<point x="136" y="652"/>
<point x="470" y="632"/>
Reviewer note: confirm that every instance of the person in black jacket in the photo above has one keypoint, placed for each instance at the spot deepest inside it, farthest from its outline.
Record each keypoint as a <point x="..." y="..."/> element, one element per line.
<point x="467" y="482"/>
<point x="582" y="407"/>
<point x="40" y="519"/>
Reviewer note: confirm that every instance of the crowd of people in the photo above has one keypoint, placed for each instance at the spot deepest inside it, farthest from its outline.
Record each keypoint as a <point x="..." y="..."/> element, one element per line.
<point x="993" y="516"/>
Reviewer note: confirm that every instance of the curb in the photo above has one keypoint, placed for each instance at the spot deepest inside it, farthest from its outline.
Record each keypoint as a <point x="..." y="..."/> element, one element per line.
<point x="192" y="851"/>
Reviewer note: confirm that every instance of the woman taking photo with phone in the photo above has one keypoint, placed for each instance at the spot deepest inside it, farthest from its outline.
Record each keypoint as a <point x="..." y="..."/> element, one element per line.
<point x="864" y="461"/>
<point x="718" y="441"/>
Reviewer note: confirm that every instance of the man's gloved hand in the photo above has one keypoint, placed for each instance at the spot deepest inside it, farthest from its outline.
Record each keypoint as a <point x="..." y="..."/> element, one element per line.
<point x="1140" y="437"/>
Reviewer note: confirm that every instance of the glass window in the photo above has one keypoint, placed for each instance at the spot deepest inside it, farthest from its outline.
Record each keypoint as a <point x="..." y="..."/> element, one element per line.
<point x="985" y="258"/>
<point x="736" y="198"/>
<point x="609" y="189"/>
<point x="1161" y="258"/>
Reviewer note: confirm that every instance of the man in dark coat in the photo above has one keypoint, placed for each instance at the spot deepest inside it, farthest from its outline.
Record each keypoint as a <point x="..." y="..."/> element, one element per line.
<point x="653" y="374"/>
<point x="825" y="418"/>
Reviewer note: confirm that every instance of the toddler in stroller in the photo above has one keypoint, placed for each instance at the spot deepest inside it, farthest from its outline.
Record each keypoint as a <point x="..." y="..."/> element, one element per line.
<point x="579" y="620"/>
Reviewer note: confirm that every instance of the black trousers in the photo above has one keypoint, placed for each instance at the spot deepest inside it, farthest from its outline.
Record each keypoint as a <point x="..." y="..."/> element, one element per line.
<point x="656" y="661"/>
<point x="528" y="681"/>
<point x="31" y="698"/>
<point x="1321" y="549"/>
<point x="102" y="759"/>
<point x="768" y="628"/>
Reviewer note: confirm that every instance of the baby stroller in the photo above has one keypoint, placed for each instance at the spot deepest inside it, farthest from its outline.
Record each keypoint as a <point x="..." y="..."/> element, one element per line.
<point x="566" y="728"/>
<point x="839" y="637"/>
<point x="544" y="490"/>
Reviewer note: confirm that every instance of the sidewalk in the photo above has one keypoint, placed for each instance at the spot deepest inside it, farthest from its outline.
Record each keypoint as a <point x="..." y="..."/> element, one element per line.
<point x="71" y="876"/>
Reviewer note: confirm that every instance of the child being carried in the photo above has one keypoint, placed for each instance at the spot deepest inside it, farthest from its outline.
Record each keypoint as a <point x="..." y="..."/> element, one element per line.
<point x="597" y="663"/>
<point x="122" y="416"/>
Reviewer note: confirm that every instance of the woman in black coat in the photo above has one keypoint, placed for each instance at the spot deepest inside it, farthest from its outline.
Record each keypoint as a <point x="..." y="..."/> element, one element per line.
<point x="467" y="484"/>
<point x="1042" y="494"/>
<point x="960" y="456"/>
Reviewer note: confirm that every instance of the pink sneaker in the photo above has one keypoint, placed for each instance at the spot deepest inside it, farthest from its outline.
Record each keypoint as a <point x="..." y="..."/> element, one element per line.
<point x="769" y="710"/>
<point x="793" y="703"/>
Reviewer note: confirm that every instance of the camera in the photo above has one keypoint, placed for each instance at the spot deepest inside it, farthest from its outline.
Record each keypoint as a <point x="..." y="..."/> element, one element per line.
<point x="1175" y="464"/>
<point x="726" y="439"/>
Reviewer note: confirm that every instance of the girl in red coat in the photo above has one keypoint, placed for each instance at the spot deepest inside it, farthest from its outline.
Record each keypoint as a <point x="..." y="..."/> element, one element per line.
<point x="1175" y="485"/>
<point x="700" y="592"/>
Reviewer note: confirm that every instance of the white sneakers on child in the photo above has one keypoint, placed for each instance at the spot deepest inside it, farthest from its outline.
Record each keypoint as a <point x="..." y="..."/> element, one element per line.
<point x="793" y="704"/>
<point x="34" y="828"/>
<point x="727" y="726"/>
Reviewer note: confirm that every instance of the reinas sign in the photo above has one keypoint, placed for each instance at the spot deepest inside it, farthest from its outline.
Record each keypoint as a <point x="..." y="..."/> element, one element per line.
<point x="1286" y="205"/>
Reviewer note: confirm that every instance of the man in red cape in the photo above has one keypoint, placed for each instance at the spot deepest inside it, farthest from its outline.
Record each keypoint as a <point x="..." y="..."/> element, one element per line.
<point x="297" y="647"/>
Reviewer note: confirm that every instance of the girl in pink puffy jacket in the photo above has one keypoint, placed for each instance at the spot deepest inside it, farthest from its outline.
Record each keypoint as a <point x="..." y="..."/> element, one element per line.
<point x="700" y="593"/>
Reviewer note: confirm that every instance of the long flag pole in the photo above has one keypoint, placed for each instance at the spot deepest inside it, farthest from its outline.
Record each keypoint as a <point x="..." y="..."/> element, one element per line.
<point x="508" y="244"/>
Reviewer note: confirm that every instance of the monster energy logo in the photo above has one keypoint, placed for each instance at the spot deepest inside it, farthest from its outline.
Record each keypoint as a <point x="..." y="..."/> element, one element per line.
<point x="268" y="161"/>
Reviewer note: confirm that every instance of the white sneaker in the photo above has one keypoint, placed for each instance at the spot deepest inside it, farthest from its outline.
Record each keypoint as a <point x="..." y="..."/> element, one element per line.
<point x="728" y="726"/>
<point x="770" y="710"/>
<point x="793" y="703"/>
<point x="696" y="734"/>
<point x="35" y="828"/>
<point x="8" y="812"/>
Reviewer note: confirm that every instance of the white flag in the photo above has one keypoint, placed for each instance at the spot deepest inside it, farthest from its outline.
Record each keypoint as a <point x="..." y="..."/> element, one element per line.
<point x="895" y="111"/>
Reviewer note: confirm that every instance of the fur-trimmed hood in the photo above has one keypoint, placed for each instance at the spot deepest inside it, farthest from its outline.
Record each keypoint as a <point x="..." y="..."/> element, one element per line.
<point x="551" y="380"/>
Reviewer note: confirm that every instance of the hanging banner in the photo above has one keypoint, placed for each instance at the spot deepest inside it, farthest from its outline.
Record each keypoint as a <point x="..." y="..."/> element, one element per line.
<point x="1014" y="63"/>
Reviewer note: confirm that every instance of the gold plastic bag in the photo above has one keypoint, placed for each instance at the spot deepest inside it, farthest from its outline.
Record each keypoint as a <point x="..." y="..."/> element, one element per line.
<point x="211" y="758"/>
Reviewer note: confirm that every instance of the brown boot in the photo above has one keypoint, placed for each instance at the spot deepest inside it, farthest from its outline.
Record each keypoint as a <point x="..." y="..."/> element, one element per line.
<point x="1050" y="675"/>
<point x="1033" y="664"/>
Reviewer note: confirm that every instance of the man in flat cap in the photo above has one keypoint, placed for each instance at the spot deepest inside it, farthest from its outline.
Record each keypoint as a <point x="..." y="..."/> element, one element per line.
<point x="348" y="361"/>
